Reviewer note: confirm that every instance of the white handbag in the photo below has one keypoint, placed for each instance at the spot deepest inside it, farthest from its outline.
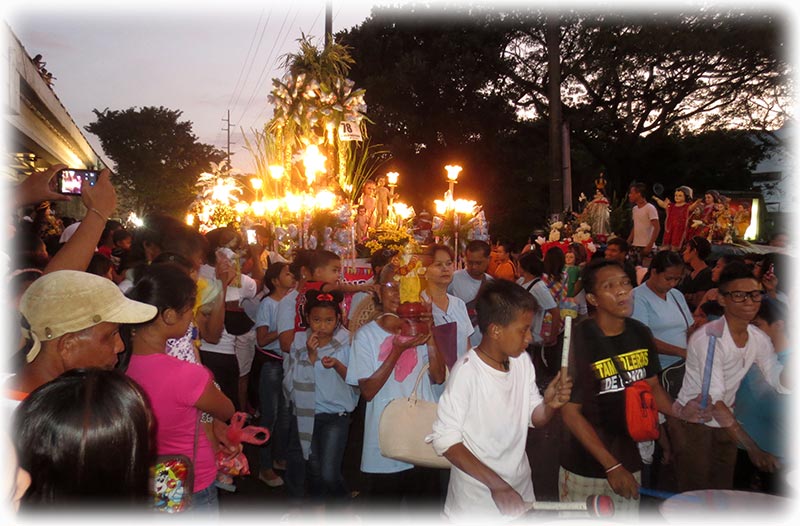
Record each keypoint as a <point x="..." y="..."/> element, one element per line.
<point x="404" y="424"/>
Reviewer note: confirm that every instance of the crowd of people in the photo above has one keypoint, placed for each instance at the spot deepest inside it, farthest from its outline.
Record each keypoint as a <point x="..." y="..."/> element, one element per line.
<point x="144" y="343"/>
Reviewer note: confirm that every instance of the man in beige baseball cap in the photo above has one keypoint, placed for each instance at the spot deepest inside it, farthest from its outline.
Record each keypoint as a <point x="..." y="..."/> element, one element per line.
<point x="73" y="319"/>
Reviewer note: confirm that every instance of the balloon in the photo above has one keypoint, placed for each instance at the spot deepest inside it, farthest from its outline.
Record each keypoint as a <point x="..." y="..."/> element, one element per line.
<point x="292" y="229"/>
<point x="312" y="242"/>
<point x="437" y="222"/>
<point x="280" y="233"/>
<point x="326" y="234"/>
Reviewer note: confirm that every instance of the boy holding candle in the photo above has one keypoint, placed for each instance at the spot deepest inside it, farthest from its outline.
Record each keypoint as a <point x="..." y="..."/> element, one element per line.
<point x="490" y="401"/>
<point x="705" y="454"/>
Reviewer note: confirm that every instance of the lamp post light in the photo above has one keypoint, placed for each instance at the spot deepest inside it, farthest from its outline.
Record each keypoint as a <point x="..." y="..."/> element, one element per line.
<point x="452" y="176"/>
<point x="276" y="172"/>
<point x="256" y="183"/>
<point x="391" y="180"/>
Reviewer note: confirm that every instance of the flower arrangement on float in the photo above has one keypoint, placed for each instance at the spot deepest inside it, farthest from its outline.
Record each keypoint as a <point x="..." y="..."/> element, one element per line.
<point x="567" y="228"/>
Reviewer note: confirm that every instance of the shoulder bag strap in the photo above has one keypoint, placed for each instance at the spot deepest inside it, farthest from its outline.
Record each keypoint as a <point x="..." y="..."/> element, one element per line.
<point x="196" y="433"/>
<point x="532" y="283"/>
<point x="422" y="371"/>
<point x="677" y="303"/>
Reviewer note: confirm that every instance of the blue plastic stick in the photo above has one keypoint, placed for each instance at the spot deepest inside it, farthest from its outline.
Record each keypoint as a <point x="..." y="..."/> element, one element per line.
<point x="668" y="495"/>
<point x="712" y="342"/>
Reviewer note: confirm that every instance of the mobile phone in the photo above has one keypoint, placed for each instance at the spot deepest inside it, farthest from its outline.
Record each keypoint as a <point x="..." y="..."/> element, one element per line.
<point x="251" y="236"/>
<point x="69" y="180"/>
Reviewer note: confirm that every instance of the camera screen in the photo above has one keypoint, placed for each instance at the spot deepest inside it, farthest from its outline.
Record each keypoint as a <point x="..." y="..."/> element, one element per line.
<point x="71" y="182"/>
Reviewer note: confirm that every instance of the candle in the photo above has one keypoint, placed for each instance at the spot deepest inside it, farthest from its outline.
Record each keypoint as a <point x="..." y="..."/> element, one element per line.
<point x="565" y="347"/>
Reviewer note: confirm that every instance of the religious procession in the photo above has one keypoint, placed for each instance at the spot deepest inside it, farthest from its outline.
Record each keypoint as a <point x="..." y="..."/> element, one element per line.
<point x="334" y="335"/>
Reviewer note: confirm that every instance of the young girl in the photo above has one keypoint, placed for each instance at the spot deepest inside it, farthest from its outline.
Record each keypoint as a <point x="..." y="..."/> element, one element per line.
<point x="178" y="391"/>
<point x="317" y="372"/>
<point x="279" y="281"/>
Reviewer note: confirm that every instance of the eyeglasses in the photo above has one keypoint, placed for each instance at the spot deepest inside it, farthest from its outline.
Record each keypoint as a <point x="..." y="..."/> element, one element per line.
<point x="738" y="296"/>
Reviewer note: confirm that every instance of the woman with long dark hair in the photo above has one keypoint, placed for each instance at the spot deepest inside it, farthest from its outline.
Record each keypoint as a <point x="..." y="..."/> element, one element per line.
<point x="85" y="440"/>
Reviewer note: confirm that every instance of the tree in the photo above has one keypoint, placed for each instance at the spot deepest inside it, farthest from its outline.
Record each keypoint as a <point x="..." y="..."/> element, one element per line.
<point x="157" y="158"/>
<point x="648" y="98"/>
<point x="630" y="77"/>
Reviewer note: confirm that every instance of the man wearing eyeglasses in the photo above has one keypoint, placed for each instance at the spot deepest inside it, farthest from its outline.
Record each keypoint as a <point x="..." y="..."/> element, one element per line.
<point x="705" y="454"/>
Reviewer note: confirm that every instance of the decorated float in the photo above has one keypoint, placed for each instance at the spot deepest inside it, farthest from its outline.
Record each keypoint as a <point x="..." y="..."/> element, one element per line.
<point x="318" y="180"/>
<point x="729" y="221"/>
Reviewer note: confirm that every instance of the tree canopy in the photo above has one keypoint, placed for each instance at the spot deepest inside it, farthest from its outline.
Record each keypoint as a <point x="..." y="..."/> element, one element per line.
<point x="626" y="77"/>
<point x="157" y="157"/>
<point x="650" y="97"/>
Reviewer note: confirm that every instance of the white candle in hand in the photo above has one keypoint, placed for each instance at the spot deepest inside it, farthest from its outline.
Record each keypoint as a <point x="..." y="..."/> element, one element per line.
<point x="565" y="347"/>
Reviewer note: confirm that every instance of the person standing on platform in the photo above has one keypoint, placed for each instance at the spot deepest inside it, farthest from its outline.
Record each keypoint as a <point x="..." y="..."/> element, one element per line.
<point x="646" y="225"/>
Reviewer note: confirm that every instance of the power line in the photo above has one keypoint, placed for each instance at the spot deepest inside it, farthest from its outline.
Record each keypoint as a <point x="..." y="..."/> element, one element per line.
<point x="244" y="63"/>
<point x="264" y="108"/>
<point x="263" y="71"/>
<point x="252" y="61"/>
<point x="266" y="63"/>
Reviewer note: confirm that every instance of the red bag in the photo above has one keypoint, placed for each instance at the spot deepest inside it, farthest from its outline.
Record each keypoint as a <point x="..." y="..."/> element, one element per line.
<point x="640" y="411"/>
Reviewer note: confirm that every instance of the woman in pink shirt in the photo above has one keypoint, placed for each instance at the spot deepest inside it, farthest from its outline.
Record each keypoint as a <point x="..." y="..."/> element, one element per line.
<point x="178" y="391"/>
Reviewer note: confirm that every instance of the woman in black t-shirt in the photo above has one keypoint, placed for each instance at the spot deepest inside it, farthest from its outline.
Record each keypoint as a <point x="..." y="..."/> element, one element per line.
<point x="600" y="458"/>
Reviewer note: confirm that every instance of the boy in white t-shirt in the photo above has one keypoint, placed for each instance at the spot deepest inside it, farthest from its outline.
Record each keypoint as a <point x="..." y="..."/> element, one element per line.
<point x="490" y="401"/>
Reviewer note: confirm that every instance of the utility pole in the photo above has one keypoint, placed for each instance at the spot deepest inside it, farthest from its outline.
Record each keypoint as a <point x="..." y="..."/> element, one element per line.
<point x="554" y="94"/>
<point x="227" y="128"/>
<point x="328" y="22"/>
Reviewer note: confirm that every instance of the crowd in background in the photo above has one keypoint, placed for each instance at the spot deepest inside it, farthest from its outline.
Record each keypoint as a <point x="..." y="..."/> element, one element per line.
<point x="209" y="325"/>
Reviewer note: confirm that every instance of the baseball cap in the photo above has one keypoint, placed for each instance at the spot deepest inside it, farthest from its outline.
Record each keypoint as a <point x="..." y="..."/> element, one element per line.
<point x="68" y="301"/>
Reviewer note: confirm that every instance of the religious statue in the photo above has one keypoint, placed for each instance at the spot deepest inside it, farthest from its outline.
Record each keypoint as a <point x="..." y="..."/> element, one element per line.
<point x="703" y="215"/>
<point x="369" y="202"/>
<point x="677" y="222"/>
<point x="597" y="212"/>
<point x="362" y="224"/>
<point x="382" y="197"/>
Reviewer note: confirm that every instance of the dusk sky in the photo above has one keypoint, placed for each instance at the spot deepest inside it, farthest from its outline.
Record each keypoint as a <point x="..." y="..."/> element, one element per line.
<point x="202" y="58"/>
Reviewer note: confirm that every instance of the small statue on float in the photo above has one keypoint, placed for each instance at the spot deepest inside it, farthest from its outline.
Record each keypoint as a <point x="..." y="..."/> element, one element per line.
<point x="703" y="215"/>
<point x="361" y="224"/>
<point x="677" y="222"/>
<point x="382" y="201"/>
<point x="597" y="212"/>
<point x="369" y="202"/>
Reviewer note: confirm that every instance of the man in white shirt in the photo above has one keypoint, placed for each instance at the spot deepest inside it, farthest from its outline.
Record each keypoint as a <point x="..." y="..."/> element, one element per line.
<point x="705" y="454"/>
<point x="645" y="225"/>
<point x="467" y="282"/>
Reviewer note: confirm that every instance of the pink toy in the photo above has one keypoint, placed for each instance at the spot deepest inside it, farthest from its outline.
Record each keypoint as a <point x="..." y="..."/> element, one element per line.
<point x="238" y="433"/>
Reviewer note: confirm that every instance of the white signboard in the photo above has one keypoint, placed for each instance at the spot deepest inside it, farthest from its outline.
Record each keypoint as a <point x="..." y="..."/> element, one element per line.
<point x="349" y="131"/>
